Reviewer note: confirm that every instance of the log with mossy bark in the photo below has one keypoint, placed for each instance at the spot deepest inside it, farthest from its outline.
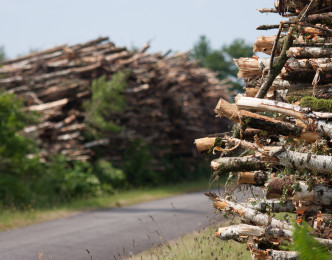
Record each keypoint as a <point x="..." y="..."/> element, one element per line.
<point x="312" y="119"/>
<point x="300" y="112"/>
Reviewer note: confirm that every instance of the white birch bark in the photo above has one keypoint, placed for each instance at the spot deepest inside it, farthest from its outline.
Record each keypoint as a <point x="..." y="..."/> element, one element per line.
<point x="309" y="52"/>
<point x="313" y="162"/>
<point x="236" y="231"/>
<point x="249" y="214"/>
<point x="272" y="205"/>
<point x="263" y="105"/>
<point x="255" y="66"/>
<point x="319" y="195"/>
<point x="270" y="254"/>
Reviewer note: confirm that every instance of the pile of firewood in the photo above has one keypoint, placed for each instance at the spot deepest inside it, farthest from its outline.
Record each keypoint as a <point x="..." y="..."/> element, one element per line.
<point x="283" y="138"/>
<point x="167" y="97"/>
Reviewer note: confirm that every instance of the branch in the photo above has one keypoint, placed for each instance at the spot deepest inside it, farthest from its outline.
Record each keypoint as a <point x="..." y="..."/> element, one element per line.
<point x="276" y="67"/>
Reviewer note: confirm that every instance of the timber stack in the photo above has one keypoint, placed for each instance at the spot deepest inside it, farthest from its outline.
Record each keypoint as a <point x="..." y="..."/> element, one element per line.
<point x="282" y="141"/>
<point x="166" y="97"/>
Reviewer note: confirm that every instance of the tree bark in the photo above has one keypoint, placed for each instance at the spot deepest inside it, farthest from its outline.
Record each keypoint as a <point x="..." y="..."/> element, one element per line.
<point x="237" y="164"/>
<point x="270" y="254"/>
<point x="235" y="231"/>
<point x="257" y="178"/>
<point x="309" y="52"/>
<point x="263" y="105"/>
<point x="272" y="206"/>
<point x="319" y="18"/>
<point x="254" y="66"/>
<point x="301" y="161"/>
<point x="247" y="213"/>
<point x="256" y="121"/>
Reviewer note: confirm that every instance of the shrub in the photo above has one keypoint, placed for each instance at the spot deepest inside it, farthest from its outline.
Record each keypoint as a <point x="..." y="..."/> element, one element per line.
<point x="106" y="98"/>
<point x="137" y="164"/>
<point x="109" y="176"/>
<point x="19" y="166"/>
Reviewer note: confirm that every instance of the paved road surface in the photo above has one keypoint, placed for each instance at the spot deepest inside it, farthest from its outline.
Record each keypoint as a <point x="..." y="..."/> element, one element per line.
<point x="111" y="232"/>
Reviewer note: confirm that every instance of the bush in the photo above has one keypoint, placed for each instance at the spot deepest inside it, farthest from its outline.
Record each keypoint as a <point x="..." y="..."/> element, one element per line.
<point x="19" y="166"/>
<point x="137" y="164"/>
<point x="106" y="98"/>
<point x="109" y="176"/>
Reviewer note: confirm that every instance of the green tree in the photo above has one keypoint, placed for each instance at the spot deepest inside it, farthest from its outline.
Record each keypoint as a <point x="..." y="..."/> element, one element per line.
<point x="2" y="54"/>
<point x="107" y="97"/>
<point x="19" y="166"/>
<point x="221" y="60"/>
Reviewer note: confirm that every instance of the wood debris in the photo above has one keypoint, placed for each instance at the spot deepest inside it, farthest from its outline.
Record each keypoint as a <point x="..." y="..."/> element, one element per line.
<point x="167" y="96"/>
<point x="286" y="107"/>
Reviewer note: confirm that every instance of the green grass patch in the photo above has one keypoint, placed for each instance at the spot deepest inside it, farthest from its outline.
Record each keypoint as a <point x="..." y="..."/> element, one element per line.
<point x="197" y="245"/>
<point x="202" y="245"/>
<point x="14" y="218"/>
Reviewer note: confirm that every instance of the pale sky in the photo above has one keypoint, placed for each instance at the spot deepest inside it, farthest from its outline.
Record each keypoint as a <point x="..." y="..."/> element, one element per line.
<point x="176" y="25"/>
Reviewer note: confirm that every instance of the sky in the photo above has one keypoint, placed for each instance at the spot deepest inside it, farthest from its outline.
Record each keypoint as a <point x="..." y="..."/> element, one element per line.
<point x="168" y="24"/>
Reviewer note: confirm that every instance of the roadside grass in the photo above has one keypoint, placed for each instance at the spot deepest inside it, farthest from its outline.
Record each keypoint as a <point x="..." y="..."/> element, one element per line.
<point x="197" y="245"/>
<point x="202" y="245"/>
<point x="13" y="218"/>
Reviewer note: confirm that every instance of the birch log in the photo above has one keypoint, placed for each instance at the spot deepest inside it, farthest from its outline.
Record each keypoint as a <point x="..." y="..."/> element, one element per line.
<point x="247" y="213"/>
<point x="235" y="231"/>
<point x="318" y="194"/>
<point x="237" y="164"/>
<point x="271" y="254"/>
<point x="301" y="161"/>
<point x="252" y="120"/>
<point x="309" y="52"/>
<point x="272" y="206"/>
<point x="263" y="105"/>
<point x="302" y="113"/>
<point x="254" y="66"/>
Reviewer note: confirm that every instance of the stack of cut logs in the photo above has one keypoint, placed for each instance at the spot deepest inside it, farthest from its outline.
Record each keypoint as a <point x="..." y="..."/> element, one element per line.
<point x="166" y="97"/>
<point x="283" y="138"/>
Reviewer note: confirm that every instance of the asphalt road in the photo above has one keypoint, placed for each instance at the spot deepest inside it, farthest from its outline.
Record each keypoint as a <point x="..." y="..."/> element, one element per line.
<point x="111" y="233"/>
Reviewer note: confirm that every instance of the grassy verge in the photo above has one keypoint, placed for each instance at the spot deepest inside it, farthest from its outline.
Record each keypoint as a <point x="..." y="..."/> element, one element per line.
<point x="12" y="218"/>
<point x="197" y="245"/>
<point x="201" y="245"/>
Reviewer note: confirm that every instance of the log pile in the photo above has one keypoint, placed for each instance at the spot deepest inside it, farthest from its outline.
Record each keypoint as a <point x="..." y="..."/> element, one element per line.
<point x="283" y="140"/>
<point x="167" y="96"/>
